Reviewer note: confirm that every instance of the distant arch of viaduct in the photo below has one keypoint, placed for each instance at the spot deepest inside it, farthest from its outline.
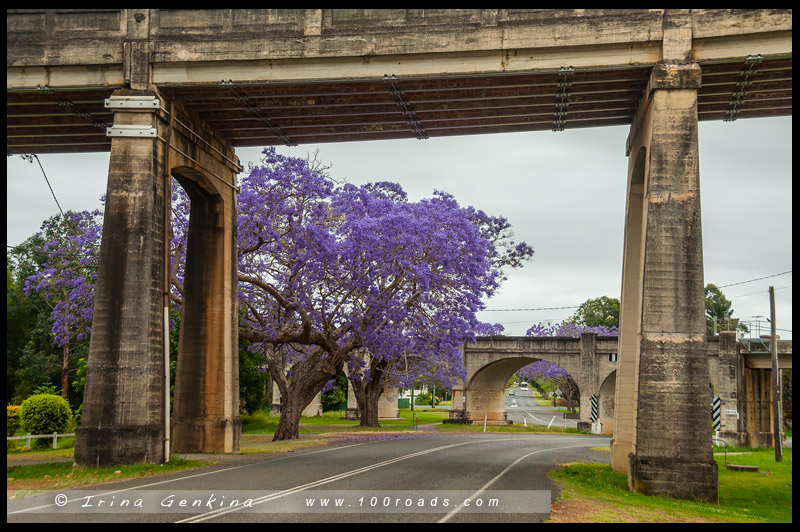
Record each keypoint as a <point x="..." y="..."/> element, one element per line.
<point x="739" y="374"/>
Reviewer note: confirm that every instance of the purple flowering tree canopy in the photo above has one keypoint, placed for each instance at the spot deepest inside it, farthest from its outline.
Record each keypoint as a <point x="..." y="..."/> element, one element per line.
<point x="68" y="276"/>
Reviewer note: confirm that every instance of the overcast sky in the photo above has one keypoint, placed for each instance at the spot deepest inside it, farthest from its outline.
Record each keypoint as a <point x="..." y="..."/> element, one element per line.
<point x="564" y="194"/>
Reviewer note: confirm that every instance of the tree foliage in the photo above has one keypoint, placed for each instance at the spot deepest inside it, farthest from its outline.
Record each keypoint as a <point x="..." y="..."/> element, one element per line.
<point x="719" y="314"/>
<point x="326" y="271"/>
<point x="599" y="312"/>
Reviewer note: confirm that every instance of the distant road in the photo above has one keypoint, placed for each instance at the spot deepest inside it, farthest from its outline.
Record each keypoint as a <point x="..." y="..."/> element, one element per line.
<point x="522" y="407"/>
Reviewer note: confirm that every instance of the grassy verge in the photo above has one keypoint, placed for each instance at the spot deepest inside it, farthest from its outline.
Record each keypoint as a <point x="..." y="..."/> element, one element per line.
<point x="24" y="479"/>
<point x="594" y="493"/>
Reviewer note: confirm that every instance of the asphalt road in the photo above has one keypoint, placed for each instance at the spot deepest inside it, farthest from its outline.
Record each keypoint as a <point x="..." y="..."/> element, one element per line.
<point x="522" y="408"/>
<point x="400" y="478"/>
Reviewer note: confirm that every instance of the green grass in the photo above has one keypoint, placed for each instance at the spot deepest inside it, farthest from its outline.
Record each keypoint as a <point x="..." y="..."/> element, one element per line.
<point x="763" y="497"/>
<point x="56" y="475"/>
<point x="263" y="423"/>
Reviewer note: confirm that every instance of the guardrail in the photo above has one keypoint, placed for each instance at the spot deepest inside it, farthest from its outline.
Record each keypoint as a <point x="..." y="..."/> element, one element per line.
<point x="28" y="437"/>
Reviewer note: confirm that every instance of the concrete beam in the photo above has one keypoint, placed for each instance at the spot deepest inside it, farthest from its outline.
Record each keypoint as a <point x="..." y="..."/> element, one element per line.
<point x="263" y="45"/>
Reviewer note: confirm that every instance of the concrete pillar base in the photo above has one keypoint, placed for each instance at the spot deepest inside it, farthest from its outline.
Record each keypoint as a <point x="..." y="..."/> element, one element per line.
<point x="690" y="480"/>
<point x="119" y="445"/>
<point x="204" y="435"/>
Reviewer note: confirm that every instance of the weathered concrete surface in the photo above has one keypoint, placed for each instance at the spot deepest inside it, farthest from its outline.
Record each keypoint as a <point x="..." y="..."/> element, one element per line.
<point x="123" y="415"/>
<point x="662" y="410"/>
<point x="206" y="400"/>
<point x="124" y="409"/>
<point x="321" y="75"/>
<point x="188" y="45"/>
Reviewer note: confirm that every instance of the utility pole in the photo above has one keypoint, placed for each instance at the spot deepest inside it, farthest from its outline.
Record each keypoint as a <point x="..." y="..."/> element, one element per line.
<point x="776" y="379"/>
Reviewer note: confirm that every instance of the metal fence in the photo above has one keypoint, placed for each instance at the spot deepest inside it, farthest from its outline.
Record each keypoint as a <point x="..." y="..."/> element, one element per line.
<point x="28" y="437"/>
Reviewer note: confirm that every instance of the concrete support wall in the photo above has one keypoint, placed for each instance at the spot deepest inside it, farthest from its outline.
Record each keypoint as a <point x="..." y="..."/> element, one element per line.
<point x="125" y="415"/>
<point x="662" y="399"/>
<point x="587" y="380"/>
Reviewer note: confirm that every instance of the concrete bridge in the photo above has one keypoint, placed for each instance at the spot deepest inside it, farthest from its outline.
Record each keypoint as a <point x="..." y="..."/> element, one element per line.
<point x="174" y="92"/>
<point x="739" y="374"/>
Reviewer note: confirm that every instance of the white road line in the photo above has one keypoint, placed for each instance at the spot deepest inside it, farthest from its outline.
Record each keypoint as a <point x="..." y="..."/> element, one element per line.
<point x="296" y="489"/>
<point x="503" y="472"/>
<point x="183" y="478"/>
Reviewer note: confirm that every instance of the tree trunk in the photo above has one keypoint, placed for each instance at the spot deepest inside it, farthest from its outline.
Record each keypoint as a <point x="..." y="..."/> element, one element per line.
<point x="369" y="412"/>
<point x="289" y="422"/>
<point x="310" y="377"/>
<point x="368" y="393"/>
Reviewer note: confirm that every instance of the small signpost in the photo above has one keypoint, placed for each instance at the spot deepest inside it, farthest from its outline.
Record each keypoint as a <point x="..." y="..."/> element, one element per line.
<point x="597" y="427"/>
<point x="715" y="414"/>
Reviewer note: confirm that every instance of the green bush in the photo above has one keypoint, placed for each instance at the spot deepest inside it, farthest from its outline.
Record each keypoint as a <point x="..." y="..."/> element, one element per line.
<point x="12" y="419"/>
<point x="45" y="414"/>
<point x="426" y="399"/>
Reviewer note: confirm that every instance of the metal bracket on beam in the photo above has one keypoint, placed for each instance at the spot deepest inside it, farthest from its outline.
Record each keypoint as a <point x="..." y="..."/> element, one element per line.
<point x="133" y="102"/>
<point x="131" y="131"/>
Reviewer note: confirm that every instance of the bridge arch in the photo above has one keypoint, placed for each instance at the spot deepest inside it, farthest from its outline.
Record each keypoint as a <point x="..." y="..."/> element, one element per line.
<point x="485" y="389"/>
<point x="491" y="361"/>
<point x="605" y="403"/>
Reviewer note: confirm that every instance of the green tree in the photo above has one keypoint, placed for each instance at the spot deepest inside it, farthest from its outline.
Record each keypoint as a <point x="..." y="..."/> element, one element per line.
<point x="598" y="312"/>
<point x="719" y="314"/>
<point x="331" y="399"/>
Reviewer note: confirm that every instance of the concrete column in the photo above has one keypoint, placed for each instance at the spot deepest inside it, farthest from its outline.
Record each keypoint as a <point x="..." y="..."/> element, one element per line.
<point x="387" y="404"/>
<point x="123" y="408"/>
<point x="668" y="437"/>
<point x="207" y="378"/>
<point x="625" y="393"/>
<point x="756" y="412"/>
<point x="725" y="378"/>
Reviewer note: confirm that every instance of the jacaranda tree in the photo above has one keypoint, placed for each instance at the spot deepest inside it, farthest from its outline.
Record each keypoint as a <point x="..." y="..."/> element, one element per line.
<point x="435" y="327"/>
<point x="327" y="272"/>
<point x="330" y="272"/>
<point x="67" y="278"/>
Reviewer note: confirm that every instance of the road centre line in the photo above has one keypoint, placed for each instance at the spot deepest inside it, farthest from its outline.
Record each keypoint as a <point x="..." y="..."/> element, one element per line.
<point x="185" y="478"/>
<point x="297" y="489"/>
<point x="503" y="472"/>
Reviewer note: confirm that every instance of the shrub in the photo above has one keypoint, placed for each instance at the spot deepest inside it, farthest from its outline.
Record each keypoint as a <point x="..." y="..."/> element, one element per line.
<point x="12" y="419"/>
<point x="45" y="414"/>
<point x="426" y="398"/>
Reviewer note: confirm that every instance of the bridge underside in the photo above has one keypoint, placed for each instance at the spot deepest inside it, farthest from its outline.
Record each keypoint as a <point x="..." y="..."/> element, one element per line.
<point x="246" y="113"/>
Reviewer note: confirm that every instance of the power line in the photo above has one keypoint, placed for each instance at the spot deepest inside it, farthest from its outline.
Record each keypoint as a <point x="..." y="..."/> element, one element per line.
<point x="522" y="309"/>
<point x="30" y="158"/>
<point x="576" y="306"/>
<point x="758" y="279"/>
